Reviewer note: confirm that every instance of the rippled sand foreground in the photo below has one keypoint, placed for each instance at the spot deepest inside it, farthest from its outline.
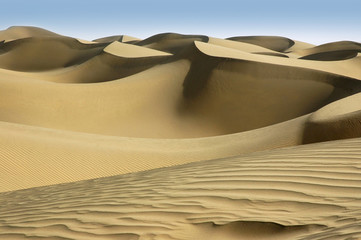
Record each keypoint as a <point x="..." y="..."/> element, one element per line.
<point x="178" y="137"/>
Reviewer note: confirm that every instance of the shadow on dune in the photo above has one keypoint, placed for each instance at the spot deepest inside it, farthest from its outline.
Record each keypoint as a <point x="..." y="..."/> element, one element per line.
<point x="275" y="43"/>
<point x="335" y="51"/>
<point x="332" y="55"/>
<point x="40" y="54"/>
<point x="171" y="42"/>
<point x="118" y="38"/>
<point x="255" y="230"/>
<point x="106" y="67"/>
<point x="240" y="95"/>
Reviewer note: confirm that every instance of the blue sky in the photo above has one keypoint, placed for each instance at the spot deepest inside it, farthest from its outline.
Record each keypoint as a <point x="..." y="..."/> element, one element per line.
<point x="315" y="21"/>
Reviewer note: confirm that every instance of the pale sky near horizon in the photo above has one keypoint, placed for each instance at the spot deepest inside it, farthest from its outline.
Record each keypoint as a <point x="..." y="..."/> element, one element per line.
<point x="314" y="21"/>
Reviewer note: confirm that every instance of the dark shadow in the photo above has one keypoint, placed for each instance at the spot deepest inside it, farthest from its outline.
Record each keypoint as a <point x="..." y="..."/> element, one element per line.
<point x="275" y="43"/>
<point x="332" y="55"/>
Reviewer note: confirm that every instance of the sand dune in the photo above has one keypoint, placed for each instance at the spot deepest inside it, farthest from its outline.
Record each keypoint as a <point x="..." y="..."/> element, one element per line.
<point x="48" y="156"/>
<point x="338" y="120"/>
<point x="45" y="53"/>
<point x="19" y="32"/>
<point x="332" y="51"/>
<point x="117" y="60"/>
<point x="118" y="38"/>
<point x="298" y="193"/>
<point x="294" y="91"/>
<point x="178" y="137"/>
<point x="171" y="42"/>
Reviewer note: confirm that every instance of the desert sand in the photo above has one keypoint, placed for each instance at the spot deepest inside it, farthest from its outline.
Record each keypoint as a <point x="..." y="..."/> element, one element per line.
<point x="178" y="137"/>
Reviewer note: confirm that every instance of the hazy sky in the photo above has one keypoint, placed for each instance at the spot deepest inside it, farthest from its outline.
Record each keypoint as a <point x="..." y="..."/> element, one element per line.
<point x="315" y="21"/>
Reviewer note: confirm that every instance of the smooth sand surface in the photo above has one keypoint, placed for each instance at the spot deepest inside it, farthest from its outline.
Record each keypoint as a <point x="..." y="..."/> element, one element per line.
<point x="178" y="137"/>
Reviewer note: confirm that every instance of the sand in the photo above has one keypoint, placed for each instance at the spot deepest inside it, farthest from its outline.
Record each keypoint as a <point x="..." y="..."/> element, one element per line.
<point x="178" y="137"/>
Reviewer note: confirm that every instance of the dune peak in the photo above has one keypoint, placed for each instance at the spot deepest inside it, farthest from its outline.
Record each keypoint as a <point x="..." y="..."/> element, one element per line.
<point x="132" y="51"/>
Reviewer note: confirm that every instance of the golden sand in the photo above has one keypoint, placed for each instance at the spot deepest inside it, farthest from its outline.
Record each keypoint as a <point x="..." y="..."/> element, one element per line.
<point x="178" y="137"/>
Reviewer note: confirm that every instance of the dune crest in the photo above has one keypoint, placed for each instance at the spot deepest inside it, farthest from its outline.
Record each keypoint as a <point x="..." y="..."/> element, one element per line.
<point x="178" y="137"/>
<point x="132" y="51"/>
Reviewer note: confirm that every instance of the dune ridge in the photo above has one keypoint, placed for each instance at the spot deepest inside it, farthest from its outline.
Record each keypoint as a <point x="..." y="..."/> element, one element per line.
<point x="178" y="137"/>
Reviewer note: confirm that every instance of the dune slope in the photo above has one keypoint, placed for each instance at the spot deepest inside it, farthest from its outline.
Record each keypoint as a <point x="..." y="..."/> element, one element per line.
<point x="296" y="193"/>
<point x="178" y="137"/>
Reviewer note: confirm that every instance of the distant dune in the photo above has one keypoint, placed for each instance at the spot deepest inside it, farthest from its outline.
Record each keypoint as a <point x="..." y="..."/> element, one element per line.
<point x="178" y="137"/>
